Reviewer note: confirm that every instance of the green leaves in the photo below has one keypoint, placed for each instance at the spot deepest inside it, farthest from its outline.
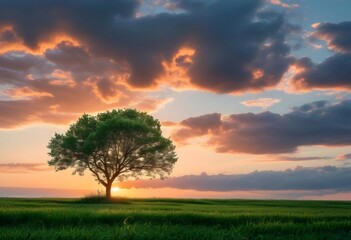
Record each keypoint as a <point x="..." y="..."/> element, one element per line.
<point x="119" y="143"/>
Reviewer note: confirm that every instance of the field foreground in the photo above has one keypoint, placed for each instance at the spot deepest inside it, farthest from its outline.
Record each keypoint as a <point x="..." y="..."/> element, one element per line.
<point x="174" y="219"/>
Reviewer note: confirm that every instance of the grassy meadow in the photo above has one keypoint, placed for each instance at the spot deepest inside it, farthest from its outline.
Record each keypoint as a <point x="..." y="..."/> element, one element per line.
<point x="174" y="219"/>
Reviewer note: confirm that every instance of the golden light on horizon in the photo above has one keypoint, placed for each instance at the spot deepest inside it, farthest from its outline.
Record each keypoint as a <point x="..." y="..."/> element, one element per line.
<point x="115" y="189"/>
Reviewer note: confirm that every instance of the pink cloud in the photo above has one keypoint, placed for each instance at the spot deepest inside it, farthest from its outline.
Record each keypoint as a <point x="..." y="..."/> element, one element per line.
<point x="343" y="157"/>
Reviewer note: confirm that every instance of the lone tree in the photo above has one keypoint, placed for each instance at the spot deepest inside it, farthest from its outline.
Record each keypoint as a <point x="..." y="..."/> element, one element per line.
<point x="114" y="145"/>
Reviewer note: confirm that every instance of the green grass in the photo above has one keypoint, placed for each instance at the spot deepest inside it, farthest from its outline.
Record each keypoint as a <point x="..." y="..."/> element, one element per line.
<point x="174" y="219"/>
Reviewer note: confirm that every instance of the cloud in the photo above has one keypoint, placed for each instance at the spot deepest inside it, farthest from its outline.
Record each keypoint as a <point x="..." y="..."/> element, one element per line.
<point x="337" y="35"/>
<point x="301" y="178"/>
<point x="26" y="92"/>
<point x="335" y="71"/>
<point x="285" y="158"/>
<point x="293" y="159"/>
<point x="152" y="104"/>
<point x="317" y="123"/>
<point x="23" y="167"/>
<point x="261" y="102"/>
<point x="197" y="126"/>
<point x="79" y="56"/>
<point x="169" y="124"/>
<point x="61" y="84"/>
<point x="46" y="19"/>
<point x="343" y="157"/>
<point x="284" y="5"/>
<point x="232" y="40"/>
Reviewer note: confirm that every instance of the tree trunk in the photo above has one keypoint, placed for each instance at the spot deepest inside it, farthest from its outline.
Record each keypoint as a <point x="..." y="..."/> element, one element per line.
<point x="108" y="191"/>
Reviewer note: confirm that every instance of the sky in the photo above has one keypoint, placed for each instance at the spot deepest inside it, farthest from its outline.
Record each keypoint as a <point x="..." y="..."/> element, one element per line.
<point x="255" y="94"/>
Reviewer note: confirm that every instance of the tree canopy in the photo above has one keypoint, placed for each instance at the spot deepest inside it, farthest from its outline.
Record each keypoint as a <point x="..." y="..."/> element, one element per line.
<point x="118" y="144"/>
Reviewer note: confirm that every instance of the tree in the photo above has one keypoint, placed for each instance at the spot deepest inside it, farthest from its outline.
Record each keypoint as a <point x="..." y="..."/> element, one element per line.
<point x="118" y="144"/>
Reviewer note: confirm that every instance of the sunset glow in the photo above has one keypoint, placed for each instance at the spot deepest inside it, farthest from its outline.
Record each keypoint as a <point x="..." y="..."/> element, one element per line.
<point x="116" y="189"/>
<point x="255" y="95"/>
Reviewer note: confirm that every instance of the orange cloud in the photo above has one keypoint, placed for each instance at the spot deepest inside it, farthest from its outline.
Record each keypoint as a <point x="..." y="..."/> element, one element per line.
<point x="12" y="42"/>
<point x="176" y="70"/>
<point x="284" y="5"/>
<point x="261" y="102"/>
<point x="180" y="49"/>
<point x="169" y="124"/>
<point x="62" y="84"/>
<point x="25" y="93"/>
<point x="59" y="77"/>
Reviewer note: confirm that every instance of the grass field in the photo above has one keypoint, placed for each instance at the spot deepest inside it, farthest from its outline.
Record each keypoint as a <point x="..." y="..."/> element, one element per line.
<point x="174" y="219"/>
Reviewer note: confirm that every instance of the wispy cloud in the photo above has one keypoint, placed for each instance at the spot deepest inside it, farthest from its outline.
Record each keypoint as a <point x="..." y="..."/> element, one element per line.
<point x="261" y="102"/>
<point x="279" y="158"/>
<point x="23" y="167"/>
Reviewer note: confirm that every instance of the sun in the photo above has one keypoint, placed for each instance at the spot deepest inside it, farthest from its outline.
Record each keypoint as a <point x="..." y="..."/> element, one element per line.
<point x="116" y="189"/>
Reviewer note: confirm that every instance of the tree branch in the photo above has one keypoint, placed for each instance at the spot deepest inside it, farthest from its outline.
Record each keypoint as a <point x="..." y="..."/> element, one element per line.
<point x="96" y="174"/>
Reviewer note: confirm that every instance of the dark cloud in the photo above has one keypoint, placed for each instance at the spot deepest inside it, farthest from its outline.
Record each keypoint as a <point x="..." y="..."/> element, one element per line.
<point x="203" y="123"/>
<point x="22" y="167"/>
<point x="337" y="35"/>
<point x="333" y="73"/>
<point x="80" y="62"/>
<point x="192" y="5"/>
<point x="318" y="123"/>
<point x="233" y="40"/>
<point x="62" y="84"/>
<point x="301" y="178"/>
<point x="15" y="67"/>
<point x="198" y="126"/>
<point x="7" y="36"/>
<point x="229" y="56"/>
<point x="36" y="20"/>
